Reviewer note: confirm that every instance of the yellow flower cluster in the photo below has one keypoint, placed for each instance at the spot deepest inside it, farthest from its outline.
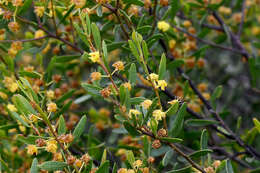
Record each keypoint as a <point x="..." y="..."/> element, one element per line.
<point x="51" y="107"/>
<point x="50" y="94"/>
<point x="39" y="33"/>
<point x="95" y="76"/>
<point x="3" y="95"/>
<point x="163" y="26"/>
<point x="134" y="112"/>
<point x="32" y="149"/>
<point x="158" y="114"/>
<point x="51" y="146"/>
<point x="158" y="83"/>
<point x="119" y="65"/>
<point x="11" y="107"/>
<point x="146" y="103"/>
<point x="39" y="11"/>
<point x="10" y="84"/>
<point x="94" y="57"/>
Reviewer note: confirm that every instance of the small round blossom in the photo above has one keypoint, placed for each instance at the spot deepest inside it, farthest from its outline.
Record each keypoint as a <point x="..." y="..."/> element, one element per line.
<point x="153" y="77"/>
<point x="105" y="92"/>
<point x="119" y="65"/>
<point x="146" y="103"/>
<point x="33" y="118"/>
<point x="78" y="163"/>
<point x="133" y="111"/>
<point x="3" y="95"/>
<point x="128" y="86"/>
<point x="11" y="107"/>
<point x="50" y="94"/>
<point x="17" y="3"/>
<point x="156" y="144"/>
<point x="158" y="114"/>
<point x="161" y="84"/>
<point x="51" y="146"/>
<point x="216" y="164"/>
<point x="86" y="158"/>
<point x="163" y="26"/>
<point x="39" y="11"/>
<point x="137" y="164"/>
<point x="95" y="76"/>
<point x="122" y="170"/>
<point x="94" y="57"/>
<point x="39" y="33"/>
<point x="14" y="26"/>
<point x="51" y="107"/>
<point x="172" y="44"/>
<point x="10" y="84"/>
<point x="32" y="149"/>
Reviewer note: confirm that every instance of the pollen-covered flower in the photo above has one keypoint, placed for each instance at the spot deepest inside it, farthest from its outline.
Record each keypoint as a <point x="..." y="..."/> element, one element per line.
<point x="39" y="33"/>
<point x="51" y="107"/>
<point x="146" y="103"/>
<point x="128" y="86"/>
<point x="134" y="112"/>
<point x="161" y="84"/>
<point x="33" y="118"/>
<point x="119" y="65"/>
<point x="95" y="76"/>
<point x="14" y="26"/>
<point x="39" y="11"/>
<point x="10" y="84"/>
<point x="50" y="94"/>
<point x="137" y="164"/>
<point x="94" y="57"/>
<point x="163" y="26"/>
<point x="78" y="163"/>
<point x="11" y="107"/>
<point x="51" y="146"/>
<point x="172" y="44"/>
<point x="17" y="3"/>
<point x="32" y="149"/>
<point x="153" y="77"/>
<point x="3" y="95"/>
<point x="86" y="158"/>
<point x="158" y="114"/>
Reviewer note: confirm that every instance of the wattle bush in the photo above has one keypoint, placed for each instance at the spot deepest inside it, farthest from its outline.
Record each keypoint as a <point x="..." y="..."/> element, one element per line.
<point x="130" y="86"/>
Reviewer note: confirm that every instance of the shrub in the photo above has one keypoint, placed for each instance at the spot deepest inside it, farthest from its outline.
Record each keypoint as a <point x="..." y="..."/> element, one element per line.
<point x="129" y="86"/>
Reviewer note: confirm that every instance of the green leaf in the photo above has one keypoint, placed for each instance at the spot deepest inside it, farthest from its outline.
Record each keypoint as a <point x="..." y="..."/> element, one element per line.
<point x="171" y="140"/>
<point x="23" y="105"/>
<point x="154" y="126"/>
<point x="79" y="129"/>
<point x="200" y="122"/>
<point x="132" y="74"/>
<point x="66" y="58"/>
<point x="104" y="156"/>
<point x="178" y="122"/>
<point x="52" y="165"/>
<point x="200" y="153"/>
<point x="16" y="116"/>
<point x="216" y="94"/>
<point x="175" y="6"/>
<point x="96" y="35"/>
<point x="162" y="67"/>
<point x="104" y="168"/>
<point x="187" y="169"/>
<point x="145" y="50"/>
<point x="136" y="100"/>
<point x="175" y="64"/>
<point x="62" y="126"/>
<point x="167" y="157"/>
<point x="25" y="7"/>
<point x="173" y="109"/>
<point x="105" y="55"/>
<point x="81" y="34"/>
<point x="65" y="96"/>
<point x="91" y="89"/>
<point x="34" y="168"/>
<point x="229" y="168"/>
<point x="130" y="157"/>
<point x="131" y="130"/>
<point x="134" y="50"/>
<point x="204" y="139"/>
<point x="32" y="74"/>
<point x="257" y="124"/>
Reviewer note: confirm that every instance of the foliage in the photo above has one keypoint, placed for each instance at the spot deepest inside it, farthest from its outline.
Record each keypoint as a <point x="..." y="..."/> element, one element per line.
<point x="129" y="86"/>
